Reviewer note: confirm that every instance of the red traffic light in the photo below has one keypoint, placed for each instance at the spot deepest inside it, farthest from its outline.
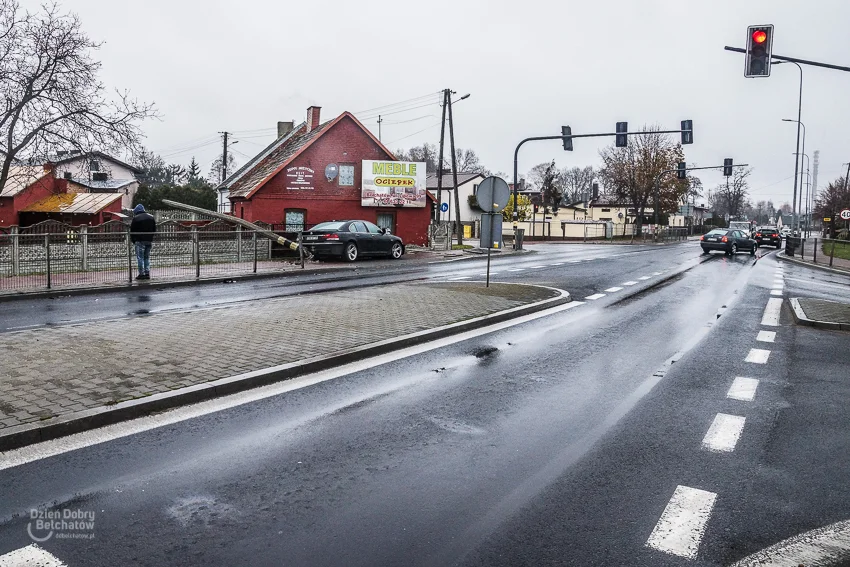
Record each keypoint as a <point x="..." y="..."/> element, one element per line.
<point x="759" y="36"/>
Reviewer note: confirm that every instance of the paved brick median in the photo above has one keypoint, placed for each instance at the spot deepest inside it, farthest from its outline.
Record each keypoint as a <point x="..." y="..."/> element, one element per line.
<point x="55" y="372"/>
<point x="823" y="310"/>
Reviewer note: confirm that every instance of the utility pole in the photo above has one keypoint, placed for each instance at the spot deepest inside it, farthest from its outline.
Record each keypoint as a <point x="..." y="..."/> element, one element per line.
<point x="454" y="172"/>
<point x="440" y="157"/>
<point x="379" y="127"/>
<point x="224" y="157"/>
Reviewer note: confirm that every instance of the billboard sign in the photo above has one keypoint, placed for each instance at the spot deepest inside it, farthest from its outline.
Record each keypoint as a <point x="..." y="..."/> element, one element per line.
<point x="393" y="184"/>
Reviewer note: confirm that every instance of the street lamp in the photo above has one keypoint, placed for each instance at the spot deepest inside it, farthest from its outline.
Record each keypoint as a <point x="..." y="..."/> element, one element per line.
<point x="799" y="111"/>
<point x="808" y="181"/>
<point x="796" y="158"/>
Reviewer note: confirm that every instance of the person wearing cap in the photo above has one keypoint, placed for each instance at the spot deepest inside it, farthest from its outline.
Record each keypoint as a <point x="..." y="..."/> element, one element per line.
<point x="142" y="230"/>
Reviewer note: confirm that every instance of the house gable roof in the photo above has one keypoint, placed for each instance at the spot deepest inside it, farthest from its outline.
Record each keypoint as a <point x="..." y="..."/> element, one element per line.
<point x="252" y="178"/>
<point x="448" y="180"/>
<point x="57" y="160"/>
<point x="21" y="177"/>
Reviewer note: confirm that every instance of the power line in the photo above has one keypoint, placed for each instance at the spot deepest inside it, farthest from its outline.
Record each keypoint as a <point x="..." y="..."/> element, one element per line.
<point x="387" y="106"/>
<point x="412" y="119"/>
<point x="188" y="150"/>
<point x="411" y="135"/>
<point x="372" y="115"/>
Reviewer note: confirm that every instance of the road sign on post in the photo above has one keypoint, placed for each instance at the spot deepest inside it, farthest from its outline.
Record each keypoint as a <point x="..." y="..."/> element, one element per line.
<point x="492" y="195"/>
<point x="845" y="214"/>
<point x="759" y="50"/>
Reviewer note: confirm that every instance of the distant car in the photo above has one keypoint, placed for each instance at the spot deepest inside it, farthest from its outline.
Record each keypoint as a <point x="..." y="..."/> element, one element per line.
<point x="729" y="241"/>
<point x="785" y="231"/>
<point x="768" y="235"/>
<point x="351" y="239"/>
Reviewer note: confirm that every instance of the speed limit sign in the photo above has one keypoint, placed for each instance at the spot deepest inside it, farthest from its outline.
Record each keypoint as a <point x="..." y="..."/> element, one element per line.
<point x="845" y="214"/>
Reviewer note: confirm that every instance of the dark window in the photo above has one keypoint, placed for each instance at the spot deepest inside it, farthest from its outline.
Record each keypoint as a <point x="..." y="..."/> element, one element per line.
<point x="329" y="226"/>
<point x="357" y="227"/>
<point x="372" y="228"/>
<point x="387" y="220"/>
<point x="606" y="210"/>
<point x="94" y="165"/>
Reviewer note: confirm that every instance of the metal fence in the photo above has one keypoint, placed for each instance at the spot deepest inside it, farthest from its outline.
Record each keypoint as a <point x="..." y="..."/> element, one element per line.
<point x="52" y="255"/>
<point x="823" y="251"/>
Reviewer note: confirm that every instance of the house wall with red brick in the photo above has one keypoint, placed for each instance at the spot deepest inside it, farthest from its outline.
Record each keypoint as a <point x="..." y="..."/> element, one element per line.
<point x="40" y="189"/>
<point x="343" y="144"/>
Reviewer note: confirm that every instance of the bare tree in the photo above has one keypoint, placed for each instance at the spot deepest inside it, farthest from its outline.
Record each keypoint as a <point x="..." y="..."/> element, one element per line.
<point x="467" y="161"/>
<point x="52" y="96"/>
<point x="425" y="153"/>
<point x="577" y="183"/>
<point x="832" y="200"/>
<point x="550" y="189"/>
<point x="630" y="172"/>
<point x="731" y="197"/>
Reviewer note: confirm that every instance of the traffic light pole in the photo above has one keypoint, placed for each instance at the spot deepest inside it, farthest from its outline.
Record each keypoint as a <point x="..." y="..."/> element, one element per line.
<point x="665" y="172"/>
<point x="515" y="215"/>
<point x="795" y="60"/>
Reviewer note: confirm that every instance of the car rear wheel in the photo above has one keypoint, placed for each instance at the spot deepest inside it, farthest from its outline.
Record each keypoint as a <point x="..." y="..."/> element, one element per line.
<point x="397" y="250"/>
<point x="351" y="252"/>
<point x="753" y="249"/>
<point x="733" y="250"/>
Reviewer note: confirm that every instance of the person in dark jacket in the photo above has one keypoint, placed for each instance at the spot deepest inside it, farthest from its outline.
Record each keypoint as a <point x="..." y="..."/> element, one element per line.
<point x="142" y="230"/>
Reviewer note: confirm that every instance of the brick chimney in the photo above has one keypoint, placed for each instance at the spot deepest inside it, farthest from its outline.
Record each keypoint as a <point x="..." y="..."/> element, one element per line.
<point x="313" y="117"/>
<point x="284" y="128"/>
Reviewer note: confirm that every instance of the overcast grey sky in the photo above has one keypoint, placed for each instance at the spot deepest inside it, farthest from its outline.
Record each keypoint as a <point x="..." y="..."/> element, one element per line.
<point x="530" y="67"/>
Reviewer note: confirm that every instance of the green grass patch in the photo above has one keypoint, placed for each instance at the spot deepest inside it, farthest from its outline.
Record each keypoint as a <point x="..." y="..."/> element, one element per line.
<point x="842" y="249"/>
<point x="461" y="246"/>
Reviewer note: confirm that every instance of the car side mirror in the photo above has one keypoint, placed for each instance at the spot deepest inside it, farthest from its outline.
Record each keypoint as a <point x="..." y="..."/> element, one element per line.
<point x="383" y="231"/>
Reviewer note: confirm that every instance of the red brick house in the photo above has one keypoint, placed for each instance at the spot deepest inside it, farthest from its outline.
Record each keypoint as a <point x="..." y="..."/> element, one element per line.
<point x="312" y="173"/>
<point x="26" y="185"/>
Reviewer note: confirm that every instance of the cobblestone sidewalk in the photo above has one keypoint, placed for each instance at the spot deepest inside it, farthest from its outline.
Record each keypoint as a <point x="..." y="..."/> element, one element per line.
<point x="55" y="372"/>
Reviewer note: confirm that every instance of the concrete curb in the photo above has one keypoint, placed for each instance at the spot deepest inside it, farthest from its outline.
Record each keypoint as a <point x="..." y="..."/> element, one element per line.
<point x="801" y="319"/>
<point x="812" y="265"/>
<point x="94" y="418"/>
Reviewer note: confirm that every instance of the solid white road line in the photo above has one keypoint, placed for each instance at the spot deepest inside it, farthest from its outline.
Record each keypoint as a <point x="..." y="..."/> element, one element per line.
<point x="682" y="524"/>
<point x="460" y="278"/>
<point x="47" y="449"/>
<point x="629" y="283"/>
<point x="825" y="546"/>
<point x="644" y="278"/>
<point x="613" y="289"/>
<point x="757" y="356"/>
<point x="537" y="267"/>
<point x="743" y="389"/>
<point x="766" y="336"/>
<point x="595" y="296"/>
<point x="724" y="432"/>
<point x="771" y="312"/>
<point x="29" y="556"/>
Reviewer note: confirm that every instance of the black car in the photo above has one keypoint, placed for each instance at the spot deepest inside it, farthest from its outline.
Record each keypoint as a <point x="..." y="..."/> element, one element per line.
<point x="729" y="241"/>
<point x="351" y="239"/>
<point x="768" y="235"/>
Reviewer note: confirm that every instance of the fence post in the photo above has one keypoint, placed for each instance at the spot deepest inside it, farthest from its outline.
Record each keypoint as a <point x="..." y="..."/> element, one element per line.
<point x="84" y="243"/>
<point x="16" y="250"/>
<point x="239" y="243"/>
<point x="255" y="250"/>
<point x="831" y="252"/>
<point x="815" y="252"/>
<point x="803" y="248"/>
<point x="47" y="252"/>
<point x="129" y="242"/>
<point x="301" y="248"/>
<point x="196" y="251"/>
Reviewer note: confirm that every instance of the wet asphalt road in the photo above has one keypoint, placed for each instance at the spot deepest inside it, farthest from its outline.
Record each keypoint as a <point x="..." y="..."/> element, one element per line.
<point x="553" y="442"/>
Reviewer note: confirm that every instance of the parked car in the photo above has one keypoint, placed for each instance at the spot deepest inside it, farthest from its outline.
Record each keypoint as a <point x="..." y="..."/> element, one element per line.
<point x="768" y="235"/>
<point x="350" y="240"/>
<point x="729" y="241"/>
<point x="785" y="231"/>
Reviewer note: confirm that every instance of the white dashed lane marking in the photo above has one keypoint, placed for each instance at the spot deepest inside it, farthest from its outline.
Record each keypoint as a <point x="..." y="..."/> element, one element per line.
<point x="656" y="273"/>
<point x="743" y="389"/>
<point x="680" y="529"/>
<point x="517" y="270"/>
<point x="644" y="278"/>
<point x="724" y="432"/>
<point x="460" y="278"/>
<point x="595" y="296"/>
<point x="558" y="264"/>
<point x="629" y="283"/>
<point x="613" y="289"/>
<point x="771" y="312"/>
<point x="757" y="356"/>
<point x="766" y="336"/>
<point x="776" y="292"/>
<point x="537" y="267"/>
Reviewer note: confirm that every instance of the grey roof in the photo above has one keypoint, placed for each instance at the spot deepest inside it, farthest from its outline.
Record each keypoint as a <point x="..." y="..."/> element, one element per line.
<point x="57" y="159"/>
<point x="260" y="169"/>
<point x="448" y="179"/>
<point x="260" y="157"/>
<point x="108" y="185"/>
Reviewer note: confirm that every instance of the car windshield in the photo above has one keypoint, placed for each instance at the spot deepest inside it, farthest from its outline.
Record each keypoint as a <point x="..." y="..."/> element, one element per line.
<point x="329" y="226"/>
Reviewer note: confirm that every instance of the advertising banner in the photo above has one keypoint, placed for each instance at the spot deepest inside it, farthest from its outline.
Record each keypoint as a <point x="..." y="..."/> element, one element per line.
<point x="393" y="184"/>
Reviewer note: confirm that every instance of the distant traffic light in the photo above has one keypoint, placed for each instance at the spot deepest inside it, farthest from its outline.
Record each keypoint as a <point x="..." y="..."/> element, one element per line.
<point x="687" y="132"/>
<point x="621" y="140"/>
<point x="681" y="170"/>
<point x="568" y="142"/>
<point x="759" y="49"/>
<point x="727" y="167"/>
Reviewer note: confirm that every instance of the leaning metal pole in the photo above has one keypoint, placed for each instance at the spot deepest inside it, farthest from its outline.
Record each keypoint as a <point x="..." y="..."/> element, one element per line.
<point x="229" y="218"/>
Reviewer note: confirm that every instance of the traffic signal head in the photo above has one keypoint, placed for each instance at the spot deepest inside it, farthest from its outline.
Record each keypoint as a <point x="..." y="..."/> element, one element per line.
<point x="568" y="142"/>
<point x="727" y="167"/>
<point x="687" y="132"/>
<point x="681" y="170"/>
<point x="759" y="49"/>
<point x="621" y="140"/>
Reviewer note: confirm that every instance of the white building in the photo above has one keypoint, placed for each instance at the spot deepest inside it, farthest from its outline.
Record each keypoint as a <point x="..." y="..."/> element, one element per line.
<point x="96" y="172"/>
<point x="467" y="184"/>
